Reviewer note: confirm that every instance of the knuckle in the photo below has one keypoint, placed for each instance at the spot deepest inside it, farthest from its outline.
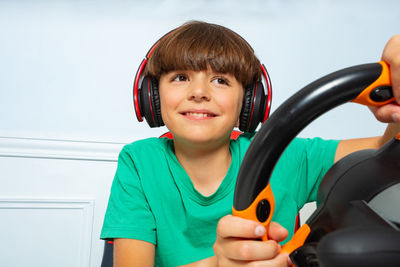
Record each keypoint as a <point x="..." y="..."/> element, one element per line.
<point x="256" y="264"/>
<point x="274" y="247"/>
<point x="395" y="61"/>
<point x="283" y="262"/>
<point x="221" y="225"/>
<point x="395" y="38"/>
<point x="245" y="251"/>
<point x="392" y="51"/>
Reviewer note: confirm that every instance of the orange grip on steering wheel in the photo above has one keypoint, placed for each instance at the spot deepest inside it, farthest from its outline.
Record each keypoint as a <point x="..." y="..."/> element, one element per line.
<point x="260" y="210"/>
<point x="379" y="92"/>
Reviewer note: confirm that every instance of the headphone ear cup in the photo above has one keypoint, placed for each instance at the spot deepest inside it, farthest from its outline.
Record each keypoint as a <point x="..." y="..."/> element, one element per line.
<point x="246" y="109"/>
<point x="253" y="109"/>
<point x="150" y="102"/>
<point x="155" y="96"/>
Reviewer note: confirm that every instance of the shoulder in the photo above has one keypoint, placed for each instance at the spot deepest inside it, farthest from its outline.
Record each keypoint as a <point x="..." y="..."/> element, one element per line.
<point x="146" y="146"/>
<point x="308" y="152"/>
<point x="240" y="145"/>
<point x="301" y="168"/>
<point x="302" y="145"/>
<point x="244" y="139"/>
<point x="143" y="152"/>
<point x="138" y="159"/>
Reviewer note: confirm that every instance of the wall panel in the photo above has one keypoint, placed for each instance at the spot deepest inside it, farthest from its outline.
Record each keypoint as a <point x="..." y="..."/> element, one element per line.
<point x="53" y="196"/>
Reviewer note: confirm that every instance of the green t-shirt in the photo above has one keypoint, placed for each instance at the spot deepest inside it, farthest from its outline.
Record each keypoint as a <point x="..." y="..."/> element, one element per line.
<point x="153" y="199"/>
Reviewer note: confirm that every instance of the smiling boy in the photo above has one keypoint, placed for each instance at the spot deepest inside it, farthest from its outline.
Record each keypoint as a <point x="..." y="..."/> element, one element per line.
<point x="169" y="195"/>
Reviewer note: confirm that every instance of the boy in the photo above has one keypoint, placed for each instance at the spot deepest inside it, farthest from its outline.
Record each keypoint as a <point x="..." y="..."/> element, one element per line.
<point x="168" y="195"/>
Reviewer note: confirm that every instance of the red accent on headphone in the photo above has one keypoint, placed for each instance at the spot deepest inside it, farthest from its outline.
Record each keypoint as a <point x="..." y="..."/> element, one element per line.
<point x="155" y="45"/>
<point x="234" y="135"/>
<point x="136" y="88"/>
<point x="269" y="92"/>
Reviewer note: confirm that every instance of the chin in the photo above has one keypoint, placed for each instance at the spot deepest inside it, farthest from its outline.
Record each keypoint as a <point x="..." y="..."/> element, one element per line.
<point x="205" y="137"/>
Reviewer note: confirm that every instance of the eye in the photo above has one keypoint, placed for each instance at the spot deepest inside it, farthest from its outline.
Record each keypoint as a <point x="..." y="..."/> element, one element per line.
<point x="180" y="78"/>
<point x="221" y="80"/>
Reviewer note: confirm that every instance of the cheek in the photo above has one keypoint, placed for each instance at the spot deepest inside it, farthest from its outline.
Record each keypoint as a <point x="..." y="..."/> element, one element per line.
<point x="169" y="100"/>
<point x="164" y="102"/>
<point x="240" y="102"/>
<point x="165" y="107"/>
<point x="232" y="103"/>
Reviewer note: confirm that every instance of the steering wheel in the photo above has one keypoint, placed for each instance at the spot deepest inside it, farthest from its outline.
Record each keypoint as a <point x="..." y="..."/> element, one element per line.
<point x="354" y="223"/>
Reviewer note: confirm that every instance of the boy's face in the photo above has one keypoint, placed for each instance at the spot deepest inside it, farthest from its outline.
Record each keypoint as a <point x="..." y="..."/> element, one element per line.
<point x="200" y="106"/>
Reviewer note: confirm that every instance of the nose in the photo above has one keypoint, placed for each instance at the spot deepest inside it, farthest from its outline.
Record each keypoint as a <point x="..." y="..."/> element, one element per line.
<point x="199" y="90"/>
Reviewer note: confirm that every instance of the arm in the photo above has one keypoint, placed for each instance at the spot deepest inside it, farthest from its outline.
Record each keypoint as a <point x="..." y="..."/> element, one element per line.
<point x="128" y="218"/>
<point x="132" y="252"/>
<point x="389" y="113"/>
<point x="346" y="147"/>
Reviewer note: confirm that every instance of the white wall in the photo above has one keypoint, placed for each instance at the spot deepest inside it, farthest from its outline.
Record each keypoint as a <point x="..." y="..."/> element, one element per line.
<point x="53" y="196"/>
<point x="66" y="71"/>
<point x="67" y="66"/>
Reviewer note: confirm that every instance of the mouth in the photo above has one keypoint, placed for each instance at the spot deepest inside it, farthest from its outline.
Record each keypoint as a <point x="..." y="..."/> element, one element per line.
<point x="199" y="114"/>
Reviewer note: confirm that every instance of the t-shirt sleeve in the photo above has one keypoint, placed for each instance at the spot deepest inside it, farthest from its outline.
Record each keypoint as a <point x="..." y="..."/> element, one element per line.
<point x="128" y="214"/>
<point x="315" y="157"/>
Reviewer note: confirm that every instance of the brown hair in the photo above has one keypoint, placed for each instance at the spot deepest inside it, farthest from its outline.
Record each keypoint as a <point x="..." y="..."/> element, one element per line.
<point x="198" y="45"/>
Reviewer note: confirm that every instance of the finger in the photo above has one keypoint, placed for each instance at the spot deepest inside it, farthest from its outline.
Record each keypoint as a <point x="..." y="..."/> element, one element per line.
<point x="391" y="55"/>
<point x="396" y="117"/>
<point x="277" y="232"/>
<point x="233" y="226"/>
<point x="387" y="113"/>
<point x="282" y="260"/>
<point x="250" y="250"/>
<point x="395" y="78"/>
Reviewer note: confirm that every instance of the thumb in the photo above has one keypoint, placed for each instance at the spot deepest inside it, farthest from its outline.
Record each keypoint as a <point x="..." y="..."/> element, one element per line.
<point x="277" y="232"/>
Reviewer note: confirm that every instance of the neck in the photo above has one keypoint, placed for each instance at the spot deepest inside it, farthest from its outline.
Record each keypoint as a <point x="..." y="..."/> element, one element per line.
<point x="205" y="165"/>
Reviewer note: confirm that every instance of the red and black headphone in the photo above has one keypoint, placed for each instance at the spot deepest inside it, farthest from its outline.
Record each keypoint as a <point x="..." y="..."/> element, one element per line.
<point x="255" y="109"/>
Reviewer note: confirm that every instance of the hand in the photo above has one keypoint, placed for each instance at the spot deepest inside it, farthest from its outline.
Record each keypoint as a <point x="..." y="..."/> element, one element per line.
<point x="391" y="55"/>
<point x="236" y="243"/>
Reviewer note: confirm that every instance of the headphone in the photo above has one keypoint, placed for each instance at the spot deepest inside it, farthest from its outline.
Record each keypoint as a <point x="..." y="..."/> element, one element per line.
<point x="255" y="109"/>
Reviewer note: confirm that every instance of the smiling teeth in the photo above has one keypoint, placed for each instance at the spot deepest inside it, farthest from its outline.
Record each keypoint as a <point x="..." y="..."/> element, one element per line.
<point x="200" y="115"/>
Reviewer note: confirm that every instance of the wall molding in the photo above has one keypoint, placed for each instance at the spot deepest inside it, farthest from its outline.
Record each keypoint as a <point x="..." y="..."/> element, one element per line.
<point x="59" y="149"/>
<point x="85" y="207"/>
